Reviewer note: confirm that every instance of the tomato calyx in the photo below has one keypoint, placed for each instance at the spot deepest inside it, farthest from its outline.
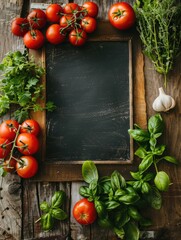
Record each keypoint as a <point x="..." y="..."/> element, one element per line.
<point x="118" y="14"/>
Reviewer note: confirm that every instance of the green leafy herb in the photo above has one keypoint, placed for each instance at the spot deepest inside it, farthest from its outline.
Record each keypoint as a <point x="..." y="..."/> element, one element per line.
<point x="20" y="86"/>
<point x="52" y="211"/>
<point x="120" y="203"/>
<point x="159" y="25"/>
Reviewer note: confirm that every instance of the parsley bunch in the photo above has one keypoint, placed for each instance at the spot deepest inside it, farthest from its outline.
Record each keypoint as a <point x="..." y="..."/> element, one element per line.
<point x="20" y="86"/>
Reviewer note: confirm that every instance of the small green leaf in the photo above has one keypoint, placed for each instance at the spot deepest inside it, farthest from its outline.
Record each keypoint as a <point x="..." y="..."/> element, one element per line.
<point x="170" y="159"/>
<point x="162" y="181"/>
<point x="156" y="124"/>
<point x="112" y="205"/>
<point x="89" y="171"/>
<point x="59" y="214"/>
<point x="58" y="199"/>
<point x="119" y="232"/>
<point x="131" y="231"/>
<point x="47" y="221"/>
<point x="136" y="175"/>
<point x="139" y="135"/>
<point x="117" y="181"/>
<point x="44" y="206"/>
<point x="145" y="163"/>
<point x="141" y="152"/>
<point x="154" y="198"/>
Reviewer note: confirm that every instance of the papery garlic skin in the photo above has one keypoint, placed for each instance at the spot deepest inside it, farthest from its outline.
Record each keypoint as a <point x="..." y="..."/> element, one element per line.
<point x="163" y="102"/>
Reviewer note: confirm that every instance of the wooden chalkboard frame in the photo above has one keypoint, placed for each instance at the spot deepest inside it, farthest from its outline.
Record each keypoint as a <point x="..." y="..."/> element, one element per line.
<point x="62" y="170"/>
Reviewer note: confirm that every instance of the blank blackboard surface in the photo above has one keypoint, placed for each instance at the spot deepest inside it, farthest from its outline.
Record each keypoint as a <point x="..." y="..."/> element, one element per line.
<point x="90" y="86"/>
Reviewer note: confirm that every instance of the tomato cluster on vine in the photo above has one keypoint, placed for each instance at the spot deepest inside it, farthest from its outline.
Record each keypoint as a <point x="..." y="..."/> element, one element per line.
<point x="72" y="22"/>
<point x="18" y="144"/>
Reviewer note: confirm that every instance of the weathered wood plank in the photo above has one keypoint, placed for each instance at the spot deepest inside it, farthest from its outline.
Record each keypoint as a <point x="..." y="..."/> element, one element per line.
<point x="10" y="187"/>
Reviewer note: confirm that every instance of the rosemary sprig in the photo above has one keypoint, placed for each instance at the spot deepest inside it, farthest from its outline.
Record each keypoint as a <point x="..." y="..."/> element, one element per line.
<point x="159" y="25"/>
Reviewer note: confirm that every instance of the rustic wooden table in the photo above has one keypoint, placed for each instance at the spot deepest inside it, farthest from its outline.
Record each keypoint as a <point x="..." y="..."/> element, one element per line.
<point x="19" y="199"/>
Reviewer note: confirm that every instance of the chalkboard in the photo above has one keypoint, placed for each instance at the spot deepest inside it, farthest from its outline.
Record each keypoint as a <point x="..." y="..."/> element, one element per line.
<point x="92" y="89"/>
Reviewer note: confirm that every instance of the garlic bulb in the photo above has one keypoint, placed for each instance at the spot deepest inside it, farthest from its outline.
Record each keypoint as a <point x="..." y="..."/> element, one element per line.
<point x="163" y="102"/>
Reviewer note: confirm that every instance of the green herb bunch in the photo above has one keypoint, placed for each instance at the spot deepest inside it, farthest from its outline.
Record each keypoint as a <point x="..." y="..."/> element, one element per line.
<point x="20" y="86"/>
<point x="159" y="25"/>
<point x="52" y="211"/>
<point x="119" y="203"/>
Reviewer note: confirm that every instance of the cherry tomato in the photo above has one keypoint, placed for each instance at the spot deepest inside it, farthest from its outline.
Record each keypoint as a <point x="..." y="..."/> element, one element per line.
<point x="20" y="26"/>
<point x="67" y="21"/>
<point x="88" y="24"/>
<point x="54" y="34"/>
<point x="30" y="126"/>
<point x="27" y="167"/>
<point x="84" y="212"/>
<point x="34" y="39"/>
<point x="5" y="147"/>
<point x="121" y="15"/>
<point x="77" y="37"/>
<point x="27" y="143"/>
<point x="8" y="129"/>
<point x="54" y="12"/>
<point x="37" y="18"/>
<point x="71" y="8"/>
<point x="9" y="165"/>
<point x="91" y="9"/>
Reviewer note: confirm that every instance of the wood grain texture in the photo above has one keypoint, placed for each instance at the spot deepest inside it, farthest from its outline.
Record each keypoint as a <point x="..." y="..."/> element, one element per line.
<point x="167" y="222"/>
<point x="10" y="186"/>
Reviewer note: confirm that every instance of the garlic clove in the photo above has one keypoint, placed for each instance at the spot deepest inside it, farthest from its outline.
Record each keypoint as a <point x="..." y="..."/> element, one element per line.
<point x="163" y="102"/>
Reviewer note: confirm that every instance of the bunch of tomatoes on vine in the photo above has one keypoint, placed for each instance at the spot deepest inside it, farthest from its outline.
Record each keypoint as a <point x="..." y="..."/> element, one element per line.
<point x="71" y="21"/>
<point x="57" y="23"/>
<point x="18" y="144"/>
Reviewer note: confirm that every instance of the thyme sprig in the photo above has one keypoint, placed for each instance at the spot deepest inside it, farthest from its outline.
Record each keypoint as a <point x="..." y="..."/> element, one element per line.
<point x="159" y="25"/>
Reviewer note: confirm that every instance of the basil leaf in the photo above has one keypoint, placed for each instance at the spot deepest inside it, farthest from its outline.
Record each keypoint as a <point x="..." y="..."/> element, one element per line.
<point x="89" y="171"/>
<point x="119" y="232"/>
<point x="159" y="150"/>
<point x="131" y="231"/>
<point x="162" y="181"/>
<point x="100" y="209"/>
<point x="129" y="198"/>
<point x="58" y="199"/>
<point x="133" y="213"/>
<point x="155" y="124"/>
<point x="145" y="188"/>
<point x="59" y="214"/>
<point x="136" y="175"/>
<point x="141" y="152"/>
<point x="117" y="181"/>
<point x="47" y="221"/>
<point x="44" y="206"/>
<point x="93" y="187"/>
<point x="120" y="217"/>
<point x="148" y="177"/>
<point x="170" y="159"/>
<point x="105" y="222"/>
<point x="145" y="163"/>
<point x="139" y="135"/>
<point x="112" y="205"/>
<point x="84" y="191"/>
<point x="154" y="198"/>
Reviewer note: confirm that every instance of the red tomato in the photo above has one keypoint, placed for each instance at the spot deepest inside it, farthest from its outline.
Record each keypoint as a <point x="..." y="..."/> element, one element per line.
<point x="91" y="9"/>
<point x="89" y="24"/>
<point x="8" y="129"/>
<point x="30" y="126"/>
<point x="9" y="165"/>
<point x="5" y="147"/>
<point x="77" y="37"/>
<point x="67" y="21"/>
<point x="34" y="39"/>
<point x="27" y="143"/>
<point x="53" y="12"/>
<point x="27" y="167"/>
<point x="54" y="34"/>
<point x="71" y="8"/>
<point x="20" y="26"/>
<point x="121" y="15"/>
<point x="84" y="212"/>
<point x="37" y="18"/>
